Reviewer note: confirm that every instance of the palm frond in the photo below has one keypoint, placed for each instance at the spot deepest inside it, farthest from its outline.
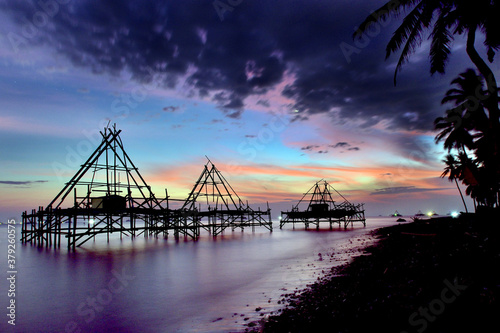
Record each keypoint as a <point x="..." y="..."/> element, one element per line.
<point x="391" y="8"/>
<point x="452" y="167"/>
<point x="445" y="173"/>
<point x="443" y="133"/>
<point x="412" y="42"/>
<point x="468" y="84"/>
<point x="403" y="32"/>
<point x="452" y="95"/>
<point x="441" y="41"/>
<point x="423" y="12"/>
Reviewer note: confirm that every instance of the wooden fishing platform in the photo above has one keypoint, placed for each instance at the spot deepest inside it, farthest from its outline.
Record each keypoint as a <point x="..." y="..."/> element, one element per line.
<point x="322" y="208"/>
<point x="117" y="199"/>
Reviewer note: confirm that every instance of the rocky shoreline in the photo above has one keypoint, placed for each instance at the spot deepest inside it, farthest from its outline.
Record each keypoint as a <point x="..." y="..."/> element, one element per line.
<point x="437" y="275"/>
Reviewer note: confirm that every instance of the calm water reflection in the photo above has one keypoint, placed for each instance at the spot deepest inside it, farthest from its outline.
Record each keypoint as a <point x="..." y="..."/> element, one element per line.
<point x="157" y="285"/>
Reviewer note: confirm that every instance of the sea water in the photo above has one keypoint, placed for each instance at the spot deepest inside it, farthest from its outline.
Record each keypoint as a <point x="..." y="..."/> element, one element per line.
<point x="161" y="285"/>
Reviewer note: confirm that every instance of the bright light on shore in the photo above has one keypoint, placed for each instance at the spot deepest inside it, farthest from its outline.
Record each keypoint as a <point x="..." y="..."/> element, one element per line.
<point x="455" y="214"/>
<point x="429" y="214"/>
<point x="91" y="221"/>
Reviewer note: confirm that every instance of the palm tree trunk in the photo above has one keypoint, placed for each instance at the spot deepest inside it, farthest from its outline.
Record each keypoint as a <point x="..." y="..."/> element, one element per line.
<point x="487" y="74"/>
<point x="492" y="102"/>
<point x="461" y="196"/>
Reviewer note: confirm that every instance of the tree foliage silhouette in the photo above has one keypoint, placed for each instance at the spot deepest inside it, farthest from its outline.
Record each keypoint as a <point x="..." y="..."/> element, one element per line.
<point x="473" y="123"/>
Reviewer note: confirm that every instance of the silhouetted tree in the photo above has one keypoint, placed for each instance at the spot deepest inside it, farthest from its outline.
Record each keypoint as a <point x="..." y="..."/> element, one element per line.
<point x="466" y="128"/>
<point x="467" y="120"/>
<point x="446" y="18"/>
<point x="453" y="171"/>
<point x="475" y="128"/>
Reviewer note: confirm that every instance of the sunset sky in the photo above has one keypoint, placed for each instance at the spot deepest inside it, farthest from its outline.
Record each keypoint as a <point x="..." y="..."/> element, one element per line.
<point x="275" y="93"/>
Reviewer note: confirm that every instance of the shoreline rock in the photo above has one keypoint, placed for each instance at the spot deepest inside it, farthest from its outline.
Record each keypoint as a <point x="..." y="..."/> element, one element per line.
<point x="404" y="283"/>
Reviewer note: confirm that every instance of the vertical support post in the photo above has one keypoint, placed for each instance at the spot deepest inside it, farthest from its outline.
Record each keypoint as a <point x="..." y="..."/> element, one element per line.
<point x="132" y="224"/>
<point x="56" y="224"/>
<point x="60" y="230"/>
<point x="49" y="226"/>
<point x="39" y="229"/>
<point x="69" y="233"/>
<point x="75" y="220"/>
<point x="23" y="227"/>
<point x="107" y="226"/>
<point x="33" y="226"/>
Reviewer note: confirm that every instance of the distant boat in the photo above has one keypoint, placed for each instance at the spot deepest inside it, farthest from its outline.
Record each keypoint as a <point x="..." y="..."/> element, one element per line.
<point x="434" y="213"/>
<point x="420" y="213"/>
<point x="396" y="213"/>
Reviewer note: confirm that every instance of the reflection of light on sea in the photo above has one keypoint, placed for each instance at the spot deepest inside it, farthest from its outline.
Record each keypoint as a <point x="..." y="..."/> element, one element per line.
<point x="326" y="255"/>
<point x="221" y="282"/>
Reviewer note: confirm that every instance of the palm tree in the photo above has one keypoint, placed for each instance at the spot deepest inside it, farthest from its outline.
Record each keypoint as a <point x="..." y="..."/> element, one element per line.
<point x="454" y="131"/>
<point x="442" y="20"/>
<point x="467" y="120"/>
<point x="470" y="96"/>
<point x="454" y="172"/>
<point x="447" y="18"/>
<point x="466" y="126"/>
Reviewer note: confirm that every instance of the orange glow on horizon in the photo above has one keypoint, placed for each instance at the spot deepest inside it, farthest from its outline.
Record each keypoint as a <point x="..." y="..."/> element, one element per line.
<point x="262" y="182"/>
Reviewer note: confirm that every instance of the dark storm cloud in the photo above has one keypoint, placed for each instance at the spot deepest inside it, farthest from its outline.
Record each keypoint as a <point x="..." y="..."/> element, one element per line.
<point x="368" y="97"/>
<point x="247" y="53"/>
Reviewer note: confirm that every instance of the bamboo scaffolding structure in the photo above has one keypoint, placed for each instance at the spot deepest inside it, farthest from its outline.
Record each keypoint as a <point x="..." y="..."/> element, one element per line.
<point x="322" y="208"/>
<point x="130" y="208"/>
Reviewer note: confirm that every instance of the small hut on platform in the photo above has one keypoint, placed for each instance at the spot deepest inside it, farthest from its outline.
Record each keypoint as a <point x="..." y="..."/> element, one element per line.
<point x="214" y="205"/>
<point x="113" y="197"/>
<point x="322" y="208"/>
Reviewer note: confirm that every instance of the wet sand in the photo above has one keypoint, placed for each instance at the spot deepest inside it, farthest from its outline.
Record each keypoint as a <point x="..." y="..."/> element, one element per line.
<point x="438" y="275"/>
